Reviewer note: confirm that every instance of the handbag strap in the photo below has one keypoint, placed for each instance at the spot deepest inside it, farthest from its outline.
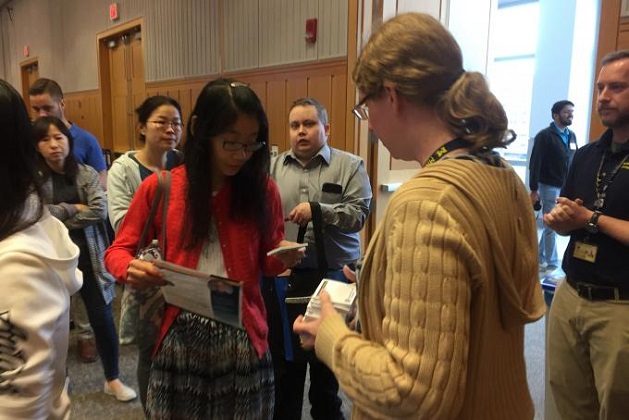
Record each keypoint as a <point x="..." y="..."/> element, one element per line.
<point x="317" y="227"/>
<point x="163" y="188"/>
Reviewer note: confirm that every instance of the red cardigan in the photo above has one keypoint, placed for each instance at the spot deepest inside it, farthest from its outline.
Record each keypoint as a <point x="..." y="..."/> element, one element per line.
<point x="244" y="248"/>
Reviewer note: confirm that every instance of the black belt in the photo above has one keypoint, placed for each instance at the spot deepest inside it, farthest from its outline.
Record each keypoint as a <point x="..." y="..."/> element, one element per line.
<point x="596" y="292"/>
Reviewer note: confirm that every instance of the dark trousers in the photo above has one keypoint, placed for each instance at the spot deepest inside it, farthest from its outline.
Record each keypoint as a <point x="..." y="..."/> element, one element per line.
<point x="100" y="316"/>
<point x="290" y="376"/>
<point x="289" y="391"/>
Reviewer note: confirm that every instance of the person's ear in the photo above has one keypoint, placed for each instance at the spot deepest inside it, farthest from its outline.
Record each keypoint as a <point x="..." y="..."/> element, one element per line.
<point x="326" y="129"/>
<point x="392" y="96"/>
<point x="193" y="121"/>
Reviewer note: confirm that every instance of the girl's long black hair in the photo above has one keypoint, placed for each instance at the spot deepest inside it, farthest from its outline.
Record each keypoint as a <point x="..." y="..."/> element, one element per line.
<point x="17" y="164"/>
<point x="218" y="107"/>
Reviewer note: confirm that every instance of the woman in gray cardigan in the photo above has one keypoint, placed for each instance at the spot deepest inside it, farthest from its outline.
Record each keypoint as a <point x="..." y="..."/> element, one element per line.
<point x="73" y="195"/>
<point x="160" y="126"/>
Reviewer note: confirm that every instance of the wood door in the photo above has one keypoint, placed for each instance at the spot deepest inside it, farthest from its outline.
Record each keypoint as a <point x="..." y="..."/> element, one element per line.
<point x="119" y="96"/>
<point x="29" y="72"/>
<point x="127" y="90"/>
<point x="136" y="82"/>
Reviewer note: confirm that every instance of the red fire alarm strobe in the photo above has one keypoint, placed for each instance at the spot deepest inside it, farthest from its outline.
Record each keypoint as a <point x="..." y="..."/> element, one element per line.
<point x="113" y="11"/>
<point x="311" y="31"/>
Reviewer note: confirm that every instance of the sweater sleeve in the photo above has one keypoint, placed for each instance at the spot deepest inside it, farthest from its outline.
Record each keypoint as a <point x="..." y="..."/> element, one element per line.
<point x="271" y="266"/>
<point x="417" y="311"/>
<point x="119" y="194"/>
<point x="122" y="250"/>
<point x="96" y="200"/>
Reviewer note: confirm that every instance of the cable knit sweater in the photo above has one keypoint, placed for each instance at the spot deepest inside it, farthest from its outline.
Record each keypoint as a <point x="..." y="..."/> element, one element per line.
<point x="448" y="282"/>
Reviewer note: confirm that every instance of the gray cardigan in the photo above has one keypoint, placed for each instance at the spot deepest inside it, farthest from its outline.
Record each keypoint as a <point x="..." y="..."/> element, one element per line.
<point x="92" y="221"/>
<point x="123" y="180"/>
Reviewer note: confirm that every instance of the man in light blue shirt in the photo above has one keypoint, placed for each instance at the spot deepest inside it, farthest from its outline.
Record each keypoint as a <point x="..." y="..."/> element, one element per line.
<point x="312" y="171"/>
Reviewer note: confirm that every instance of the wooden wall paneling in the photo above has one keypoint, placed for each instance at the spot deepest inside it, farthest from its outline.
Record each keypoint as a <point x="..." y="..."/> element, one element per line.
<point x="83" y="109"/>
<point x="623" y="34"/>
<point x="276" y="112"/>
<point x="259" y="87"/>
<point x="295" y="88"/>
<point x="320" y="88"/>
<point x="338" y="113"/>
<point x="277" y="89"/>
<point x="608" y="31"/>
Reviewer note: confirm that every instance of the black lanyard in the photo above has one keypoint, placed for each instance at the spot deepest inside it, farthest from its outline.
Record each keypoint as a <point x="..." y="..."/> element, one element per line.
<point x="447" y="148"/>
<point x="602" y="185"/>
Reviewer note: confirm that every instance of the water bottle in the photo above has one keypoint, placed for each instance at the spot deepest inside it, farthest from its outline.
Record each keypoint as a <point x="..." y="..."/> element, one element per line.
<point x="152" y="252"/>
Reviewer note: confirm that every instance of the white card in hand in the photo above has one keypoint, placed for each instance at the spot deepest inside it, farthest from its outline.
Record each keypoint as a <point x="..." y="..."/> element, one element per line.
<point x="281" y="249"/>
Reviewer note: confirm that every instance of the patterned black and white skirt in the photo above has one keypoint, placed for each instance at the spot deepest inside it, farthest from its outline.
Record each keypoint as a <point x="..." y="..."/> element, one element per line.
<point x="208" y="370"/>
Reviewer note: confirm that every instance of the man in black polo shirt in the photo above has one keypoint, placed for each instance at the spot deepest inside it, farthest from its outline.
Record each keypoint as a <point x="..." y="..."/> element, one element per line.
<point x="588" y="326"/>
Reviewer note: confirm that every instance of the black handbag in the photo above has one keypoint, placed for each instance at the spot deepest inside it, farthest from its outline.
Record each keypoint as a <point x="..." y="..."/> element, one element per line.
<point x="302" y="283"/>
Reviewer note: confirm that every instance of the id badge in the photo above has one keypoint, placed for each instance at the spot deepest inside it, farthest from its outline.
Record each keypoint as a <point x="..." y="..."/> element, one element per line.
<point x="585" y="252"/>
<point x="573" y="146"/>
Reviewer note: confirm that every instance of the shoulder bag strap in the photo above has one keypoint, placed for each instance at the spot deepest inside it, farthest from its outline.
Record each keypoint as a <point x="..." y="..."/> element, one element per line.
<point x="317" y="226"/>
<point x="151" y="215"/>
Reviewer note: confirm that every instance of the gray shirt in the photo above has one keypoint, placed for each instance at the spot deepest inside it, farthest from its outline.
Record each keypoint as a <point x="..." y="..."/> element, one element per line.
<point x="344" y="203"/>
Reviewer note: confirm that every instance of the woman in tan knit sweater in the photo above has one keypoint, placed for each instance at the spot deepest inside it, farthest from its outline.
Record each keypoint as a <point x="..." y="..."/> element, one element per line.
<point x="450" y="277"/>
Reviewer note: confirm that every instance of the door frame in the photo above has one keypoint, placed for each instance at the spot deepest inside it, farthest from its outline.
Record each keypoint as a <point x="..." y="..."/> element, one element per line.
<point x="24" y="65"/>
<point x="104" y="74"/>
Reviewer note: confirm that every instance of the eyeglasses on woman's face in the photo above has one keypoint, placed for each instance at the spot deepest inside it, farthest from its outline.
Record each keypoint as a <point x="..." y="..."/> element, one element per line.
<point x="236" y="146"/>
<point x="164" y="125"/>
<point x="361" y="110"/>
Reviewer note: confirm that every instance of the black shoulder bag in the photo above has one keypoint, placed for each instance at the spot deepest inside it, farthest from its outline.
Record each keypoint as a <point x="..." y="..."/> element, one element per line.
<point x="302" y="283"/>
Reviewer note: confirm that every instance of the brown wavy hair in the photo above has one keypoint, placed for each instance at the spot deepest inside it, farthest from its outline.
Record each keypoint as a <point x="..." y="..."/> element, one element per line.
<point x="417" y="54"/>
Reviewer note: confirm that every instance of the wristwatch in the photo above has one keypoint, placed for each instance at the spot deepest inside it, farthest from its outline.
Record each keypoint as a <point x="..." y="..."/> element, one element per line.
<point x="592" y="224"/>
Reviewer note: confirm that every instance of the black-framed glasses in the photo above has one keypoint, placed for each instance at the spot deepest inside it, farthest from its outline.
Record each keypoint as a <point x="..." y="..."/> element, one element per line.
<point x="236" y="146"/>
<point x="163" y="125"/>
<point x="361" y="110"/>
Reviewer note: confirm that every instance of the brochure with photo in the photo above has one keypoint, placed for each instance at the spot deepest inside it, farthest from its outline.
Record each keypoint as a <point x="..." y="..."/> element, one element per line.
<point x="211" y="296"/>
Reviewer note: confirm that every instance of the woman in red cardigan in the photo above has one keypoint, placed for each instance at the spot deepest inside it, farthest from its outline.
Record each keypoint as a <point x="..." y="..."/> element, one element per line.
<point x="224" y="214"/>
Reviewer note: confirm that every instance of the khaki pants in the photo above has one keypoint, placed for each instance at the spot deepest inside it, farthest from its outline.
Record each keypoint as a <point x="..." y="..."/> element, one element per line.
<point x="588" y="356"/>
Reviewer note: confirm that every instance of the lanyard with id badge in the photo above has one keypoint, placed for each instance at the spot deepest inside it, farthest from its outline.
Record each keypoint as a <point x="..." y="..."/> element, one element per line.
<point x="587" y="249"/>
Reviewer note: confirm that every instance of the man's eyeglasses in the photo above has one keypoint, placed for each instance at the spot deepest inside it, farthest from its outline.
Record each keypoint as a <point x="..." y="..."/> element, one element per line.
<point x="163" y="125"/>
<point x="361" y="111"/>
<point x="236" y="146"/>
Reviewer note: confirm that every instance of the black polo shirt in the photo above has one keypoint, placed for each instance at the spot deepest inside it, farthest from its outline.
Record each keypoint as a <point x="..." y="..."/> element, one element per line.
<point x="611" y="267"/>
